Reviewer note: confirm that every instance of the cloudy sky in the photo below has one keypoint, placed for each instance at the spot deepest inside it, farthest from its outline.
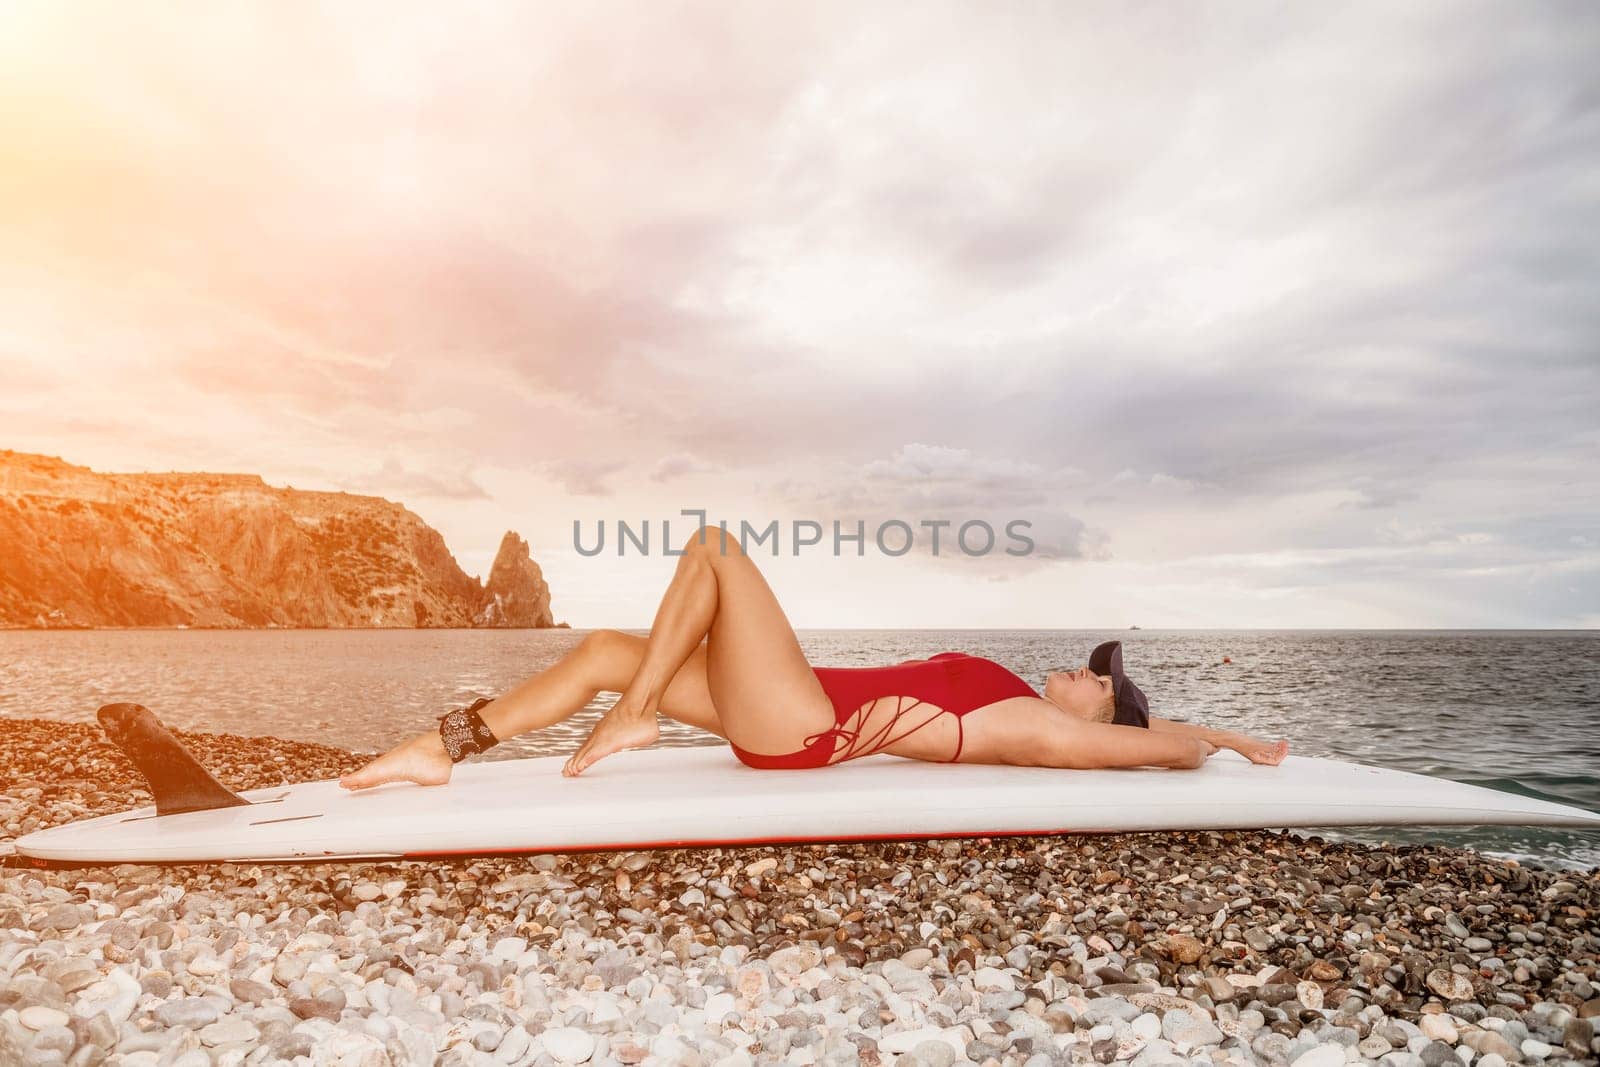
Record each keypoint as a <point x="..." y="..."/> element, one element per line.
<point x="1261" y="315"/>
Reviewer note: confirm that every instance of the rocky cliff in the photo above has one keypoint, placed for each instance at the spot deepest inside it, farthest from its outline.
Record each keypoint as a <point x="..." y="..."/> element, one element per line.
<point x="83" y="549"/>
<point x="516" y="594"/>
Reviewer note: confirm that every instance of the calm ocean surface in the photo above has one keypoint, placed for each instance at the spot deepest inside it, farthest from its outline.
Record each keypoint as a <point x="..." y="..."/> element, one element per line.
<point x="1512" y="710"/>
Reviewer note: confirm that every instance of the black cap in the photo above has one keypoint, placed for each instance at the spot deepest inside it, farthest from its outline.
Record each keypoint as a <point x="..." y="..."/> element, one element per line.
<point x="1133" y="709"/>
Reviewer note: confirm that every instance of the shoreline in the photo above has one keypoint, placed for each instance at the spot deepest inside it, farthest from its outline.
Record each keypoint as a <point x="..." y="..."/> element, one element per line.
<point x="1192" y="946"/>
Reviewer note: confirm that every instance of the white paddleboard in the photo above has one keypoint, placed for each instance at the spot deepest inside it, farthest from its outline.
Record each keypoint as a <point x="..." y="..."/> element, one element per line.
<point x="703" y="796"/>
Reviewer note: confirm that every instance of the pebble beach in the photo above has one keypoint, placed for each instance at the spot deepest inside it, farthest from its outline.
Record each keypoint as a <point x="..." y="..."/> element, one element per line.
<point x="1216" y="947"/>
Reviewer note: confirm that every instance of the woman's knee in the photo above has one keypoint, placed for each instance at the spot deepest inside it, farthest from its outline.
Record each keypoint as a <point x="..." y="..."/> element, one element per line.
<point x="603" y="643"/>
<point x="609" y="657"/>
<point x="713" y="541"/>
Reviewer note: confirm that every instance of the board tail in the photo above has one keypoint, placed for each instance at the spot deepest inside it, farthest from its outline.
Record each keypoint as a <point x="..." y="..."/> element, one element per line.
<point x="175" y="777"/>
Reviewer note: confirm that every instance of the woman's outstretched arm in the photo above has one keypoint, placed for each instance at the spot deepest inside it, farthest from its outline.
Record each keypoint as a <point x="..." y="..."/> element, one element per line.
<point x="1254" y="749"/>
<point x="1083" y="745"/>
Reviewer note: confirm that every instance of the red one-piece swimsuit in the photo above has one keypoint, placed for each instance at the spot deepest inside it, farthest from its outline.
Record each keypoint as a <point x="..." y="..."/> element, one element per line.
<point x="953" y="682"/>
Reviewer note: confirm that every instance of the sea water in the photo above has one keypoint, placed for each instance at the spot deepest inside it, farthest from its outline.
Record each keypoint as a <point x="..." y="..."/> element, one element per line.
<point x="1517" y="711"/>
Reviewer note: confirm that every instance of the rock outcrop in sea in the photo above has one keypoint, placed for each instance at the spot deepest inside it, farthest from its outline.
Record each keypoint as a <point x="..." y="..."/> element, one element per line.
<point x="80" y="548"/>
<point x="516" y="593"/>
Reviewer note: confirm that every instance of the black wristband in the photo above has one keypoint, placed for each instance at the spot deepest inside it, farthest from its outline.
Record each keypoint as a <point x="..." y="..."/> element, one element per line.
<point x="464" y="732"/>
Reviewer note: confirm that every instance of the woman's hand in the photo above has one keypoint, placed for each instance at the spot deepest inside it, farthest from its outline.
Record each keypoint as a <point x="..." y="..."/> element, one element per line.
<point x="1254" y="749"/>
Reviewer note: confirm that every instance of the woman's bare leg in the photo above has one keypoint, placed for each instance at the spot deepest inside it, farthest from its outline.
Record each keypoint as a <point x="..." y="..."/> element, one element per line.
<point x="605" y="660"/>
<point x="682" y="620"/>
<point x="764" y="691"/>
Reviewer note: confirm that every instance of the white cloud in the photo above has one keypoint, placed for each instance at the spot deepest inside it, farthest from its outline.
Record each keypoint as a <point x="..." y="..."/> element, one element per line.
<point x="1169" y="282"/>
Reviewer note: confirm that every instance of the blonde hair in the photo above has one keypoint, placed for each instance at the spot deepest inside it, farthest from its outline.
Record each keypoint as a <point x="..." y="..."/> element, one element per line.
<point x="1106" y="710"/>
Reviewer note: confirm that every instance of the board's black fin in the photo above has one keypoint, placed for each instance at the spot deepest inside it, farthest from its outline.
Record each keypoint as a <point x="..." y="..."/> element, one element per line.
<point x="174" y="776"/>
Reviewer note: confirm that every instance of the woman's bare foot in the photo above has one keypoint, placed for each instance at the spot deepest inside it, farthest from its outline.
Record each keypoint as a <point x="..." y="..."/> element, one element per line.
<point x="1255" y="750"/>
<point x="422" y="759"/>
<point x="618" y="729"/>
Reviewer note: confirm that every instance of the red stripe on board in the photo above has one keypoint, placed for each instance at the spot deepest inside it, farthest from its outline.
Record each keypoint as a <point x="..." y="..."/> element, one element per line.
<point x="47" y="864"/>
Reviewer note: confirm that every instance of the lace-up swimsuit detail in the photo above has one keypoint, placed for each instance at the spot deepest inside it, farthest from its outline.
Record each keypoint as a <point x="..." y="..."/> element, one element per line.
<point x="953" y="683"/>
